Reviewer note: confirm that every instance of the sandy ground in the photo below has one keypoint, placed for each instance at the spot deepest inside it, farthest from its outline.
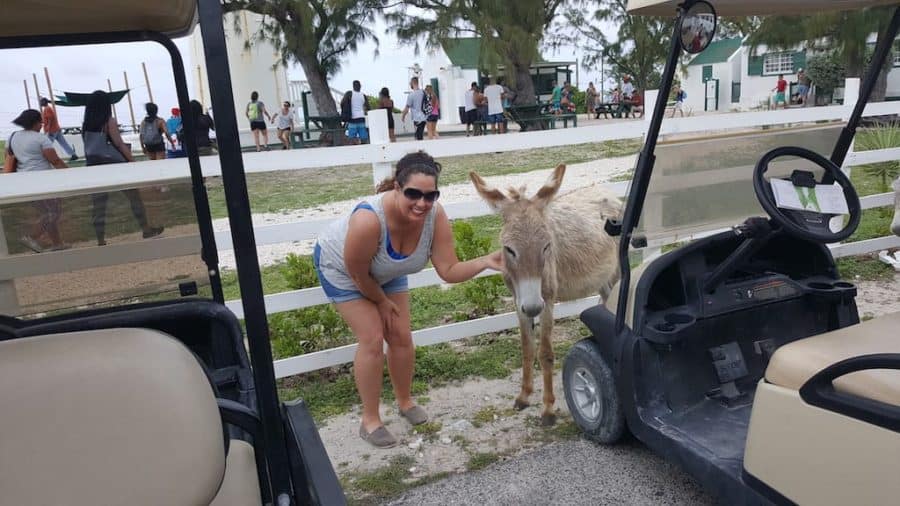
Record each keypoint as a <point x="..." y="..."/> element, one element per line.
<point x="577" y="176"/>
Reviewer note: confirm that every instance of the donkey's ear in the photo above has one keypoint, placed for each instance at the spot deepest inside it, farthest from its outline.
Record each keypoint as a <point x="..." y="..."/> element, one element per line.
<point x="494" y="197"/>
<point x="548" y="191"/>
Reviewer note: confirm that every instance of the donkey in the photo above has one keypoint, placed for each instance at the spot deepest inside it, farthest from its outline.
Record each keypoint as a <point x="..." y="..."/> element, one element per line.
<point x="554" y="249"/>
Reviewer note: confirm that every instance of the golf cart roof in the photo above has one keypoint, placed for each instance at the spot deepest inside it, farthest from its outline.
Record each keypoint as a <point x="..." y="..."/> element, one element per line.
<point x="24" y="18"/>
<point x="753" y="7"/>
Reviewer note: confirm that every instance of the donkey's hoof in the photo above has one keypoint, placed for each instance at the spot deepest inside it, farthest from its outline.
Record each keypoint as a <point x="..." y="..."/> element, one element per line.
<point x="520" y="404"/>
<point x="548" y="420"/>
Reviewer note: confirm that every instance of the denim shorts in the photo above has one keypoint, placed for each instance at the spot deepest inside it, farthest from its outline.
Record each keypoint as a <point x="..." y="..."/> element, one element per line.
<point x="337" y="295"/>
<point x="357" y="130"/>
<point x="495" y="118"/>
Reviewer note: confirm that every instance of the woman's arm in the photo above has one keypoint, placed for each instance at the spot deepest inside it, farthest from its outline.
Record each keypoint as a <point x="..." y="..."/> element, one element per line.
<point x="161" y="124"/>
<point x="360" y="247"/>
<point x="112" y="130"/>
<point x="443" y="254"/>
<point x="52" y="157"/>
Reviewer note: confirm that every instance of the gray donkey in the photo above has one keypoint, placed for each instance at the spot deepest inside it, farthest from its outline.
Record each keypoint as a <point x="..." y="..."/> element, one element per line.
<point x="555" y="249"/>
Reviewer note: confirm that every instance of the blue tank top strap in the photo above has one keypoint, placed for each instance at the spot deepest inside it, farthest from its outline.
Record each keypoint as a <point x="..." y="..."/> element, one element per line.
<point x="390" y="249"/>
<point x="363" y="205"/>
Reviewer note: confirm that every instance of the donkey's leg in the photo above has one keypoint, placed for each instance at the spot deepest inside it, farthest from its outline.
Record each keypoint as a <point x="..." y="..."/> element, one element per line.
<point x="548" y="416"/>
<point x="526" y="329"/>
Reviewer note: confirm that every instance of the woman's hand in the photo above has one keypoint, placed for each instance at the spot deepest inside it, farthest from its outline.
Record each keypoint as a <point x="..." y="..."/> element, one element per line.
<point x="495" y="261"/>
<point x="388" y="311"/>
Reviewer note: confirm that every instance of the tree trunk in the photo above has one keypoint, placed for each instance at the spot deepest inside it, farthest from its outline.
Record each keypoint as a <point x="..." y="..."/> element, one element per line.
<point x="524" y="86"/>
<point x="321" y="94"/>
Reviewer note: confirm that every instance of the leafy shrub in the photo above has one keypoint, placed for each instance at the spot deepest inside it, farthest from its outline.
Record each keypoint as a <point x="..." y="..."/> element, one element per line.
<point x="882" y="137"/>
<point x="483" y="293"/>
<point x="309" y="329"/>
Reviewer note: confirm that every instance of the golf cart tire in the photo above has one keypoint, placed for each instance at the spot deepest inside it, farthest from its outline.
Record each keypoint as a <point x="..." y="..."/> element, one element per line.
<point x="584" y="365"/>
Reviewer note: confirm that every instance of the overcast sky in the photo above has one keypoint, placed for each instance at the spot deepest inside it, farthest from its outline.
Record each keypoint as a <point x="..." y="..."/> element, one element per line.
<point x="87" y="68"/>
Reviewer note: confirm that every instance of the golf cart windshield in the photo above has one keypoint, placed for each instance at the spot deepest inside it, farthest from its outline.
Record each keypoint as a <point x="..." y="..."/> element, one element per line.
<point x="704" y="183"/>
<point x="151" y="247"/>
<point x="666" y="8"/>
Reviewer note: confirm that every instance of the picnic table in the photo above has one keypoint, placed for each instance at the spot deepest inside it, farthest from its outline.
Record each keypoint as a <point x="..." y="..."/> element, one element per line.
<point x="323" y="125"/>
<point x="539" y="117"/>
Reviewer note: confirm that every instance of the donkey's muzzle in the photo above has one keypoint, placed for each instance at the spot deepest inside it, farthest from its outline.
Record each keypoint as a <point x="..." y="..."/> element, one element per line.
<point x="531" y="310"/>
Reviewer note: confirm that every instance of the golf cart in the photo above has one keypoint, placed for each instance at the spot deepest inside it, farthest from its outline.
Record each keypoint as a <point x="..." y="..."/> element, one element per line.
<point x="740" y="356"/>
<point x="118" y="385"/>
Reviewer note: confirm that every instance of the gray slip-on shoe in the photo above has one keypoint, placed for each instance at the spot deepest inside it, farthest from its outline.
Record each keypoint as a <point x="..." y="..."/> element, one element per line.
<point x="379" y="438"/>
<point x="416" y="415"/>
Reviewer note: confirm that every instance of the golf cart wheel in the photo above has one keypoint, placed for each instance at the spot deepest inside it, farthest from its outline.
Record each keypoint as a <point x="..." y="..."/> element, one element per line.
<point x="591" y="393"/>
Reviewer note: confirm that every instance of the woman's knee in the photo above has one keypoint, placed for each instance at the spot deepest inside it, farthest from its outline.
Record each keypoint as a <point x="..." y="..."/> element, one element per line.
<point x="402" y="339"/>
<point x="371" y="345"/>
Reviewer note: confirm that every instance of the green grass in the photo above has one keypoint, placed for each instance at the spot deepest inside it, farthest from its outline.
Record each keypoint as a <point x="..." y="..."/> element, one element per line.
<point x="386" y="482"/>
<point x="481" y="460"/>
<point x="867" y="267"/>
<point x="278" y="191"/>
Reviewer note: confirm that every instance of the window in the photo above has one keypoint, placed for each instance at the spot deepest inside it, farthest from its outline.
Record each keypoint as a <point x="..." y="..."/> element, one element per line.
<point x="778" y="63"/>
<point x="896" y="51"/>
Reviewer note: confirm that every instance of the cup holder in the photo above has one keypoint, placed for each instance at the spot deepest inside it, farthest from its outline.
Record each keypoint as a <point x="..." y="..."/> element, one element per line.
<point x="844" y="285"/>
<point x="665" y="327"/>
<point x="818" y="285"/>
<point x="678" y="318"/>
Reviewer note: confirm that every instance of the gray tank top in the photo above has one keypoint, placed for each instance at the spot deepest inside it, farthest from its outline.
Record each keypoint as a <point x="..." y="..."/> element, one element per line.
<point x="387" y="264"/>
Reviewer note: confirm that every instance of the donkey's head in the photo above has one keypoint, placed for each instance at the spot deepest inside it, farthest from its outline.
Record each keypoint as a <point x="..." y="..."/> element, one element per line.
<point x="526" y="236"/>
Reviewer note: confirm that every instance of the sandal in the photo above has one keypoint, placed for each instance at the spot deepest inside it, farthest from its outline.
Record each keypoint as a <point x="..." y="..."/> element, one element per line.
<point x="379" y="438"/>
<point x="416" y="415"/>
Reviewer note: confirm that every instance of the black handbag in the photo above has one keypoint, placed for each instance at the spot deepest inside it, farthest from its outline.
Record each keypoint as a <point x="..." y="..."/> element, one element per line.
<point x="98" y="150"/>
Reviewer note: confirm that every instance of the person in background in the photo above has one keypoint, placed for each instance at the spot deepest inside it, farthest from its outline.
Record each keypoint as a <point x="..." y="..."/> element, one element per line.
<point x="284" y="122"/>
<point x="173" y="125"/>
<point x="153" y="133"/>
<point x="555" y="98"/>
<point x="432" y="118"/>
<point x="357" y="105"/>
<point x="362" y="261"/>
<point x="203" y="123"/>
<point x="680" y="95"/>
<point x="386" y="102"/>
<point x="494" y="95"/>
<point x="590" y="99"/>
<point x="33" y="152"/>
<point x="53" y="130"/>
<point x="414" y="103"/>
<point x="257" y="114"/>
<point x="803" y="83"/>
<point x="779" y="89"/>
<point x="471" y="108"/>
<point x="103" y="145"/>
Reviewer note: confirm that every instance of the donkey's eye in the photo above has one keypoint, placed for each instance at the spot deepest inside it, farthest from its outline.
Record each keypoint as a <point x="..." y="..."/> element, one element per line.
<point x="509" y="251"/>
<point x="546" y="248"/>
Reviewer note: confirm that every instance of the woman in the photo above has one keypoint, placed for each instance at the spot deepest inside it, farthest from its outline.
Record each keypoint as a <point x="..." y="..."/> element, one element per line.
<point x="284" y="122"/>
<point x="362" y="262"/>
<point x="386" y="102"/>
<point x="257" y="114"/>
<point x="203" y="123"/>
<point x="33" y="152"/>
<point x="104" y="145"/>
<point x="431" y="120"/>
<point x="153" y="133"/>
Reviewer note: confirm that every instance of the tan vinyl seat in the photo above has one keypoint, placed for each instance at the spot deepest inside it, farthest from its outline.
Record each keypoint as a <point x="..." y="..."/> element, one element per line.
<point x="116" y="416"/>
<point x="795" y="363"/>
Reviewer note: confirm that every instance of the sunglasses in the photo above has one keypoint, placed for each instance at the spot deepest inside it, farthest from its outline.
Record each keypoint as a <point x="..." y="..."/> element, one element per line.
<point x="414" y="194"/>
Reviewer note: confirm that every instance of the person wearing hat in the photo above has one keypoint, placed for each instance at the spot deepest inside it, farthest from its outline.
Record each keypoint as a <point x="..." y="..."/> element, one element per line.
<point x="52" y="128"/>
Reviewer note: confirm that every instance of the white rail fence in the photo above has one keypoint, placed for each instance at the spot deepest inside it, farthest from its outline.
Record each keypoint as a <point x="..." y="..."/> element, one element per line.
<point x="33" y="186"/>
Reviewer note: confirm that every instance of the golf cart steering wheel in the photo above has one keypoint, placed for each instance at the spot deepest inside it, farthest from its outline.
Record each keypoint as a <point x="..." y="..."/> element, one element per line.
<point x="809" y="225"/>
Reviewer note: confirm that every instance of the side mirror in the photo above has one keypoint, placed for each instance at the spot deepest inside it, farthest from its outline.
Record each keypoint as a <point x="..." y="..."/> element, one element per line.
<point x="698" y="26"/>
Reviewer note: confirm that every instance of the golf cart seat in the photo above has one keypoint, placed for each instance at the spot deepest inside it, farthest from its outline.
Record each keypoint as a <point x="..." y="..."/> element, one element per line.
<point x="805" y="434"/>
<point x="115" y="416"/>
<point x="795" y="363"/>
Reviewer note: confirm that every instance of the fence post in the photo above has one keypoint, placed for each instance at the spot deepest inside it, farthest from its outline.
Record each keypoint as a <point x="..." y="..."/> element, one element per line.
<point x="9" y="299"/>
<point x="379" y="137"/>
<point x="851" y="96"/>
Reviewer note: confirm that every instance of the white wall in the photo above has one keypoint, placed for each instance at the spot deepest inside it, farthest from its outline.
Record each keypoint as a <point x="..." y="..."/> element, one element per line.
<point x="251" y="69"/>
<point x="696" y="89"/>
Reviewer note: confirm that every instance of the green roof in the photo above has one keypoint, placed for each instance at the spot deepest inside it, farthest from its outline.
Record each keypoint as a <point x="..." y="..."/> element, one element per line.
<point x="464" y="52"/>
<point x="717" y="52"/>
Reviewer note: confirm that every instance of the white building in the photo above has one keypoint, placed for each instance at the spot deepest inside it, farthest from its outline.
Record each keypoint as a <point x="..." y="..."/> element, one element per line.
<point x="727" y="77"/>
<point x="255" y="66"/>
